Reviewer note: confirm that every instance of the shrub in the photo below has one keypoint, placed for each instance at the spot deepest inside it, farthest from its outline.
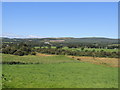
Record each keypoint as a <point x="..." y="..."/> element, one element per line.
<point x="20" y="53"/>
<point x="33" y="53"/>
<point x="25" y="53"/>
<point x="12" y="50"/>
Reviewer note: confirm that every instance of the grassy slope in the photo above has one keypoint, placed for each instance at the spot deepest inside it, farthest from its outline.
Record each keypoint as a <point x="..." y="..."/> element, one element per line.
<point x="37" y="59"/>
<point x="53" y="74"/>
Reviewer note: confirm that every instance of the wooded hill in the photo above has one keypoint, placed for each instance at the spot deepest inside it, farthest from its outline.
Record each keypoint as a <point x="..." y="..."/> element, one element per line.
<point x="64" y="40"/>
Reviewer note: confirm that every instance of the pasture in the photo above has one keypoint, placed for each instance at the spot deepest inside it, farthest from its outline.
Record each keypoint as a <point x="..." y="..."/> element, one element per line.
<point x="55" y="71"/>
<point x="89" y="49"/>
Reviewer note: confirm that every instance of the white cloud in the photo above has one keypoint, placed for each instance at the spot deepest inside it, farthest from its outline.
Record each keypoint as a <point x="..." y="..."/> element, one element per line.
<point x="10" y="35"/>
<point x="33" y="36"/>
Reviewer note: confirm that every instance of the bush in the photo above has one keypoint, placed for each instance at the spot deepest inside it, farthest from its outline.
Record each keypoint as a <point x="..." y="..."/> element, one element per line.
<point x="13" y="50"/>
<point x="20" y="53"/>
<point x="5" y="51"/>
<point x="25" y="53"/>
<point x="33" y="53"/>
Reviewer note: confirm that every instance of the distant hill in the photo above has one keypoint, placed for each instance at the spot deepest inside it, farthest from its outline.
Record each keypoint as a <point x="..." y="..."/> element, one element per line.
<point x="93" y="40"/>
<point x="64" y="40"/>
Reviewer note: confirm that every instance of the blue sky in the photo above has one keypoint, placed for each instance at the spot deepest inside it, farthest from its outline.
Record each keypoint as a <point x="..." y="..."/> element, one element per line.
<point x="60" y="19"/>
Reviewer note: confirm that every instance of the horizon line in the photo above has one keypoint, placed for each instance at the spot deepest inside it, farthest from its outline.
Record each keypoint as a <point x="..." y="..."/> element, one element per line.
<point x="54" y="37"/>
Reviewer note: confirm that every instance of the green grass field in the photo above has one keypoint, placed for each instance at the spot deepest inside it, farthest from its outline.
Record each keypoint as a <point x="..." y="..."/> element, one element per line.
<point x="89" y="49"/>
<point x="56" y="72"/>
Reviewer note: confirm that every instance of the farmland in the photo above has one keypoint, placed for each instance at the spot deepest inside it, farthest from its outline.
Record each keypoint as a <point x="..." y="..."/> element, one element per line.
<point x="56" y="71"/>
<point x="56" y="45"/>
<point x="89" y="49"/>
<point x="70" y="63"/>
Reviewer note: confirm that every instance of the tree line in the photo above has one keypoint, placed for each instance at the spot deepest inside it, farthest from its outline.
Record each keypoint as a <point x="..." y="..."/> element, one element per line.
<point x="20" y="49"/>
<point x="28" y="49"/>
<point x="92" y="53"/>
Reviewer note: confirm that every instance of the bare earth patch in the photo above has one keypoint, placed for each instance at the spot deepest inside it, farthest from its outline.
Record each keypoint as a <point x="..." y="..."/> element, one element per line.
<point x="113" y="62"/>
<point x="40" y="54"/>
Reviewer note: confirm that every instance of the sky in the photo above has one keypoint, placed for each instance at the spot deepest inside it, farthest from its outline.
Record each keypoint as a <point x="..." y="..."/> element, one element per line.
<point x="60" y="19"/>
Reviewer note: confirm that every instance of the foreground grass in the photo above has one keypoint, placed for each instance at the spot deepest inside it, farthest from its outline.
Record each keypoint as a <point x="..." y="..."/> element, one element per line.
<point x="67" y="73"/>
<point x="31" y="59"/>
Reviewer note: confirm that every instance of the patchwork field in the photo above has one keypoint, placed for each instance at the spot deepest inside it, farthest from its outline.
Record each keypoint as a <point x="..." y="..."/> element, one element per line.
<point x="46" y="71"/>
